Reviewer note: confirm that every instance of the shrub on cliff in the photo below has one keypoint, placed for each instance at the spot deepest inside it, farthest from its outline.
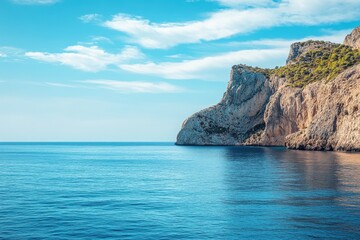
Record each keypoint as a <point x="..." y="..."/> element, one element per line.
<point x="321" y="63"/>
<point x="318" y="64"/>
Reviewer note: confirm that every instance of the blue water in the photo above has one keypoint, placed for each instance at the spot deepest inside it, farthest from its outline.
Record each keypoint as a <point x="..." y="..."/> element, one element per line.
<point x="162" y="191"/>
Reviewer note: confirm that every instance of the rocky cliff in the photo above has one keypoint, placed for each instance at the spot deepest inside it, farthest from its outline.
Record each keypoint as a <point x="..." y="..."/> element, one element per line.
<point x="311" y="103"/>
<point x="353" y="39"/>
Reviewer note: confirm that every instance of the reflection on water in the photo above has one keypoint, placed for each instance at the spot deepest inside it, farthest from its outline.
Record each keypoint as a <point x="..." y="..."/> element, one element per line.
<point x="305" y="169"/>
<point x="306" y="190"/>
<point x="315" y="170"/>
<point x="162" y="191"/>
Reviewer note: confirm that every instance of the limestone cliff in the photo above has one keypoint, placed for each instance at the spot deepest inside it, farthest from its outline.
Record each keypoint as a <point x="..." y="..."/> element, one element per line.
<point x="267" y="107"/>
<point x="329" y="115"/>
<point x="238" y="115"/>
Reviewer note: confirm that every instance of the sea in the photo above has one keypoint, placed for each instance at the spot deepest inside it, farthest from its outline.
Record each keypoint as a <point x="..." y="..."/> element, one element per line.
<point x="164" y="191"/>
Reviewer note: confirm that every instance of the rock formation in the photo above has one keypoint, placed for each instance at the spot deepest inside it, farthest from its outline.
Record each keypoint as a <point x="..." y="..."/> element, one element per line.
<point x="330" y="115"/>
<point x="300" y="48"/>
<point x="238" y="115"/>
<point x="263" y="107"/>
<point x="353" y="39"/>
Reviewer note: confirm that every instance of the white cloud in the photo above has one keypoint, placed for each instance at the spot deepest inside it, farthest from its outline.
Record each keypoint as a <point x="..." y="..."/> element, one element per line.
<point x="91" y="59"/>
<point x="229" y="22"/>
<point x="136" y="86"/>
<point x="219" y="25"/>
<point x="207" y="67"/>
<point x="31" y="2"/>
<point x="2" y="54"/>
<point x="90" y="17"/>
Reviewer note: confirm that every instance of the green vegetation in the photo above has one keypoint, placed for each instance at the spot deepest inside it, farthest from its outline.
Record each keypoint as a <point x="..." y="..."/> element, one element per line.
<point x="323" y="63"/>
<point x="318" y="64"/>
<point x="313" y="42"/>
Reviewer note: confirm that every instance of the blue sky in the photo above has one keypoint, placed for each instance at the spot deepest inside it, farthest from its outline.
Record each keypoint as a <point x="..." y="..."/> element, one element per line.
<point x="133" y="70"/>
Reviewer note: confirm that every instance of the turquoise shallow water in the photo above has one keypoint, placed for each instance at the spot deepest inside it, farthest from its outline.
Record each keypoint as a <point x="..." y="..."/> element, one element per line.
<point x="163" y="191"/>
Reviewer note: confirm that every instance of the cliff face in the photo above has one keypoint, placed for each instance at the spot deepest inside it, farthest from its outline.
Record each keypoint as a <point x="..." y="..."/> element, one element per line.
<point x="330" y="115"/>
<point x="238" y="115"/>
<point x="262" y="108"/>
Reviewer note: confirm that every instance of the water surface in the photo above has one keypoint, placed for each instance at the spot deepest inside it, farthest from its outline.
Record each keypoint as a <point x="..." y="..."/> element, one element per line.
<point x="163" y="191"/>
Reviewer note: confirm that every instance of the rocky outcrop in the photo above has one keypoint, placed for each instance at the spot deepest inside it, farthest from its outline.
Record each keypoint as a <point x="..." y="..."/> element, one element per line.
<point x="238" y="115"/>
<point x="259" y="108"/>
<point x="299" y="49"/>
<point x="353" y="39"/>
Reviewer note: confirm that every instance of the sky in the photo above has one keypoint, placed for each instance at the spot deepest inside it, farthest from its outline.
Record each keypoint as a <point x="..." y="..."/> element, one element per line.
<point x="134" y="70"/>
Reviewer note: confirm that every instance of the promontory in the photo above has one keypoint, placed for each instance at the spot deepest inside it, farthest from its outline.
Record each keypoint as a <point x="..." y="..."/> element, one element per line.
<point x="311" y="103"/>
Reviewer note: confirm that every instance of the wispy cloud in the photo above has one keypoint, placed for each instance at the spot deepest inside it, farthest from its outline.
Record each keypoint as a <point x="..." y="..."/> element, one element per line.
<point x="204" y="68"/>
<point x="119" y="86"/>
<point x="177" y="56"/>
<point x="136" y="86"/>
<point x="35" y="2"/>
<point x="91" y="59"/>
<point x="98" y="39"/>
<point x="245" y="3"/>
<point x="10" y="51"/>
<point x="95" y="41"/>
<point x="62" y="85"/>
<point x="90" y="17"/>
<point x="232" y="21"/>
<point x="11" y="54"/>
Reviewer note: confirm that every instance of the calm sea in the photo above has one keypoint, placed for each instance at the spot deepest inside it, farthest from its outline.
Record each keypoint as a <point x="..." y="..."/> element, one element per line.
<point x="163" y="191"/>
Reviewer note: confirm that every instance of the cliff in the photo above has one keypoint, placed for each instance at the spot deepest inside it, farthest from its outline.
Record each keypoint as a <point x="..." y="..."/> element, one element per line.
<point x="353" y="39"/>
<point x="311" y="103"/>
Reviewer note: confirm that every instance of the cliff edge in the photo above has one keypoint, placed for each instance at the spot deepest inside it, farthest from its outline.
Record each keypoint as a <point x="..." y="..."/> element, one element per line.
<point x="312" y="103"/>
<point x="353" y="39"/>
